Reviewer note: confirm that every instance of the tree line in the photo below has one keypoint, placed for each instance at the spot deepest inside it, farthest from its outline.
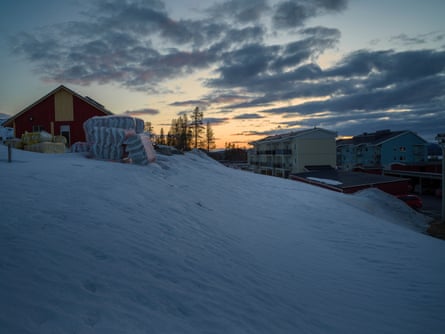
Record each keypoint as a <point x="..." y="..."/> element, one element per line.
<point x="186" y="134"/>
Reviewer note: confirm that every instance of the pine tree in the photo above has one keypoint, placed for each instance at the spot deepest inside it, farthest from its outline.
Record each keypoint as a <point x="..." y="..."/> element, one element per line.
<point x="183" y="140"/>
<point x="173" y="134"/>
<point x="196" y="124"/>
<point x="161" y="140"/>
<point x="210" y="137"/>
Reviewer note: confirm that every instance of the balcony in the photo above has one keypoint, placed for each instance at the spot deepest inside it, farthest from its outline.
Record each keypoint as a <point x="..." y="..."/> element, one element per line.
<point x="283" y="152"/>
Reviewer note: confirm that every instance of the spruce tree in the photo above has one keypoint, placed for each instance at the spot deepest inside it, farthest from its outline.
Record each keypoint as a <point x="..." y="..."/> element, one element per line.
<point x="196" y="124"/>
<point x="161" y="140"/>
<point x="210" y="137"/>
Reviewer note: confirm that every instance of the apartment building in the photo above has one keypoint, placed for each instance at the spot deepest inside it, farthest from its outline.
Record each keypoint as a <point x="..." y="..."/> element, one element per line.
<point x="294" y="152"/>
<point x="381" y="149"/>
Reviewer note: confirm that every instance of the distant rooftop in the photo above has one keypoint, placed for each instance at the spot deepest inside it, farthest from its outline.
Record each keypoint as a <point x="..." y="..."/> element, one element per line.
<point x="372" y="138"/>
<point x="344" y="181"/>
<point x="288" y="135"/>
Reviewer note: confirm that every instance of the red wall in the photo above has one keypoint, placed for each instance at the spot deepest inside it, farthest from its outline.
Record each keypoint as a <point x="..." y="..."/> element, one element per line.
<point x="393" y="188"/>
<point x="42" y="114"/>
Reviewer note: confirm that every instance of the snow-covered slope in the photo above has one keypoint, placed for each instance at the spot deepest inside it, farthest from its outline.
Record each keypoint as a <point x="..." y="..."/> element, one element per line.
<point x="189" y="246"/>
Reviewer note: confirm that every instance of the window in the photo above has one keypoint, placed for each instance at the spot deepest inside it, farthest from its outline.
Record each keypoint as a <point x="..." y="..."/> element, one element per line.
<point x="37" y="128"/>
<point x="402" y="149"/>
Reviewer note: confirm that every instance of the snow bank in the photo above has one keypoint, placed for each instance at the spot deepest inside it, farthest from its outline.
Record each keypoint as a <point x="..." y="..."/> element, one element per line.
<point x="389" y="208"/>
<point x="190" y="246"/>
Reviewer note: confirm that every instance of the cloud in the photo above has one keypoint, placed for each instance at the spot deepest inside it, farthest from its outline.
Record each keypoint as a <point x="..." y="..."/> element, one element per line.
<point x="259" y="54"/>
<point x="293" y="14"/>
<point x="364" y="80"/>
<point x="145" y="111"/>
<point x="224" y="98"/>
<point x="248" y="116"/>
<point x="186" y="103"/>
<point x="259" y="68"/>
<point x="117" y="44"/>
<point x="215" y="121"/>
<point x="251" y="133"/>
<point x="138" y="45"/>
<point x="366" y="88"/>
<point x="419" y="39"/>
<point x="242" y="11"/>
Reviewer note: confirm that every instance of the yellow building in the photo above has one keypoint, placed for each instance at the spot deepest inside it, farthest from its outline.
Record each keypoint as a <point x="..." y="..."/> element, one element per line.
<point x="294" y="152"/>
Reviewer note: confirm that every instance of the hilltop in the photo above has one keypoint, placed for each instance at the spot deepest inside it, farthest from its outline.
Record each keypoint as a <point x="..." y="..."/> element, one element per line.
<point x="186" y="245"/>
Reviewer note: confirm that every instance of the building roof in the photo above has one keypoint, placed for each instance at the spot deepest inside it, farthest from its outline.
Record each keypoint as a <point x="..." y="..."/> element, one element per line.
<point x="86" y="99"/>
<point x="374" y="138"/>
<point x="290" y="135"/>
<point x="342" y="180"/>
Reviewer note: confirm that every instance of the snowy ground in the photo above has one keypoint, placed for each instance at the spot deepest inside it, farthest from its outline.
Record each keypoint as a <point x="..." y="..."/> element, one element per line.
<point x="186" y="245"/>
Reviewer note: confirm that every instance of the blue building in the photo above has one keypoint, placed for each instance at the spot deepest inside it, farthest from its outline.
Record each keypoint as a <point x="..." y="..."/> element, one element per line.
<point x="381" y="149"/>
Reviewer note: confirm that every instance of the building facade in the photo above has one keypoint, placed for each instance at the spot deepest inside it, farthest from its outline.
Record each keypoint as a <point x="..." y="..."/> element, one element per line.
<point x="281" y="155"/>
<point x="62" y="112"/>
<point x="381" y="149"/>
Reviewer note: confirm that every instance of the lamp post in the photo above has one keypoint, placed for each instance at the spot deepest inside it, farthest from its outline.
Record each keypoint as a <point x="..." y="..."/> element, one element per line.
<point x="441" y="140"/>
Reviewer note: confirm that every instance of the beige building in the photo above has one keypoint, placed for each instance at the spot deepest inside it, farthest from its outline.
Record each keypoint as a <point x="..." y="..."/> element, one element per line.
<point x="294" y="152"/>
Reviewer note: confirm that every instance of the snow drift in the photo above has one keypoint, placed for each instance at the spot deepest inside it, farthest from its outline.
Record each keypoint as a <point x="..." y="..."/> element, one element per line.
<point x="186" y="245"/>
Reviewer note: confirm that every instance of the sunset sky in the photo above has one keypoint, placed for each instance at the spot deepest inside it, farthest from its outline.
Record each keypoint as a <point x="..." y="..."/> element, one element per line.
<point x="255" y="67"/>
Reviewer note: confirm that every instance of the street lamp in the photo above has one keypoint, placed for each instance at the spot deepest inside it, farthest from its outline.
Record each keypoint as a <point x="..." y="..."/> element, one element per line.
<point x="441" y="140"/>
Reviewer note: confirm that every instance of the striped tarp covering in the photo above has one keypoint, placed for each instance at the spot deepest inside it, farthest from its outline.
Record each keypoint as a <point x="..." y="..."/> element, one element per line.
<point x="140" y="149"/>
<point x="112" y="121"/>
<point x="111" y="137"/>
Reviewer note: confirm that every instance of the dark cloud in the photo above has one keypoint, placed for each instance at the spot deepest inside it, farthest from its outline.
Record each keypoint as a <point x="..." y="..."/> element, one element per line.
<point x="242" y="11"/>
<point x="364" y="80"/>
<point x="252" y="133"/>
<point x="407" y="40"/>
<point x="259" y="67"/>
<point x="418" y="40"/>
<point x="248" y="116"/>
<point x="293" y="14"/>
<point x="367" y="89"/>
<point x="215" y="120"/>
<point x="138" y="45"/>
<point x="188" y="103"/>
<point x="243" y="64"/>
<point x="226" y="98"/>
<point x="146" y="111"/>
<point x="116" y="45"/>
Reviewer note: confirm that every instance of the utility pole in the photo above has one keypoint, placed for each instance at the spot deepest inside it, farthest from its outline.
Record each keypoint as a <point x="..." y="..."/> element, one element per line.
<point x="441" y="140"/>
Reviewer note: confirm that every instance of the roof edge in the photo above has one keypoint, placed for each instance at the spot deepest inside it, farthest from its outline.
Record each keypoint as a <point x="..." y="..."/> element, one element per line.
<point x="57" y="89"/>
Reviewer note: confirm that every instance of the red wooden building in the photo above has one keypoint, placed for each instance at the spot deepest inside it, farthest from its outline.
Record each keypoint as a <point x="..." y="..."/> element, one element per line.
<point x="61" y="112"/>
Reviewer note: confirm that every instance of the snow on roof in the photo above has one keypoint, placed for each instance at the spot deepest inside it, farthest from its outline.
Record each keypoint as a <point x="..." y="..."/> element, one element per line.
<point x="327" y="181"/>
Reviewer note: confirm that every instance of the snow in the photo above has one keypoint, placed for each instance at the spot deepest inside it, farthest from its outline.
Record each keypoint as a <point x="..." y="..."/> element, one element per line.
<point x="326" y="181"/>
<point x="186" y="245"/>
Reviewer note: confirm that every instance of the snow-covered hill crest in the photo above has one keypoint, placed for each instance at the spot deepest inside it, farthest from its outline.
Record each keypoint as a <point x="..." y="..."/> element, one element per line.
<point x="187" y="245"/>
